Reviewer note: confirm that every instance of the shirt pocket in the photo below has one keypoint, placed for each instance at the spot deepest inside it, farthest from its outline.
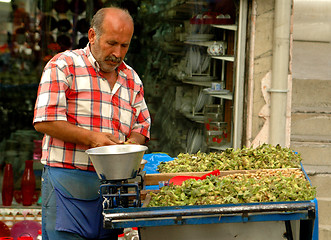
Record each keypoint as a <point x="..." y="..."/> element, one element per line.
<point x="124" y="117"/>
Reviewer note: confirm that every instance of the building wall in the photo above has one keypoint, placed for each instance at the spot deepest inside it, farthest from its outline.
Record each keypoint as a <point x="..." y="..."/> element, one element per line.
<point x="259" y="62"/>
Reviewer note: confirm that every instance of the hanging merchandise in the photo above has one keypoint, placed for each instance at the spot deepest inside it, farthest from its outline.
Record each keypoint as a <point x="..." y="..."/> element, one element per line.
<point x="83" y="25"/>
<point x="82" y="42"/>
<point x="45" y="5"/>
<point x="28" y="184"/>
<point x="61" y="6"/>
<point x="48" y="23"/>
<point x="64" y="25"/>
<point x="7" y="185"/>
<point x="64" y="41"/>
<point x="77" y="6"/>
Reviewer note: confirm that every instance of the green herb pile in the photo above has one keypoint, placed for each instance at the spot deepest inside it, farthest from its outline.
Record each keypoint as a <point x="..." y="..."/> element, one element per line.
<point x="261" y="186"/>
<point x="263" y="157"/>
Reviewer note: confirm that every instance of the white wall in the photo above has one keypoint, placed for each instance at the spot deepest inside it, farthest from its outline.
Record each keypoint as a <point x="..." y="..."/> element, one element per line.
<point x="312" y="20"/>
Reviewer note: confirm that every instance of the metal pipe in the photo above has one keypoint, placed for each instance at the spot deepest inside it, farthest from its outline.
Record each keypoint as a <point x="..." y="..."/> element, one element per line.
<point x="240" y="69"/>
<point x="250" y="85"/>
<point x="203" y="211"/>
<point x="280" y="69"/>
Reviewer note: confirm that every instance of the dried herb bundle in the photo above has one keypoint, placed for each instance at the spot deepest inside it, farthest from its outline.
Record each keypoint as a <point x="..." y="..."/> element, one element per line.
<point x="262" y="186"/>
<point x="263" y="157"/>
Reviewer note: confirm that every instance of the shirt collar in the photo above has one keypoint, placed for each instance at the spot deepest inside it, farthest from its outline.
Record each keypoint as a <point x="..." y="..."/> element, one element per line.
<point x="121" y="68"/>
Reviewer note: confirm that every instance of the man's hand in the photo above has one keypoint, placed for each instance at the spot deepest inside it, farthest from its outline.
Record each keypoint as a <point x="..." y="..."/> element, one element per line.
<point x="100" y="139"/>
<point x="136" y="138"/>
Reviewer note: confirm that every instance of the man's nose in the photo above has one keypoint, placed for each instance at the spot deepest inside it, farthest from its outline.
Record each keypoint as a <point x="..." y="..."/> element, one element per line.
<point x="117" y="51"/>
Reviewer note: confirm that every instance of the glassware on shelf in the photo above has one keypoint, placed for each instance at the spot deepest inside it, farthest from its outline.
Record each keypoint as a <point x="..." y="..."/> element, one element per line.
<point x="28" y="184"/>
<point x="218" y="135"/>
<point x="213" y="113"/>
<point x="8" y="185"/>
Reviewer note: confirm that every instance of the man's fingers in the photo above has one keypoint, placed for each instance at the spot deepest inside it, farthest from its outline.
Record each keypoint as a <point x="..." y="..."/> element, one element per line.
<point x="114" y="139"/>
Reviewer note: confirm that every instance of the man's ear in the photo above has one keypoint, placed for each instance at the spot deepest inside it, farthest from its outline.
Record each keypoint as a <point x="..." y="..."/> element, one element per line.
<point x="91" y="35"/>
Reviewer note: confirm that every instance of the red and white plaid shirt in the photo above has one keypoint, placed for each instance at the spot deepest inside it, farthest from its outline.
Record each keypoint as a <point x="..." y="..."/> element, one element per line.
<point x="72" y="89"/>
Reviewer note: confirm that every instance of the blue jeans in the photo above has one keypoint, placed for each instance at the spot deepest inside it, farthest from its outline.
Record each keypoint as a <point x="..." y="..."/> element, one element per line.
<point x="71" y="206"/>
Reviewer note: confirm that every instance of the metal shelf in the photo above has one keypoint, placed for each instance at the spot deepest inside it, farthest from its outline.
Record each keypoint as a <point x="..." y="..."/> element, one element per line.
<point x="233" y="27"/>
<point x="198" y="83"/>
<point x="225" y="96"/>
<point x="229" y="58"/>
<point x="228" y="95"/>
<point x="187" y="7"/>
<point x="194" y="118"/>
<point x="221" y="148"/>
<point x="200" y="43"/>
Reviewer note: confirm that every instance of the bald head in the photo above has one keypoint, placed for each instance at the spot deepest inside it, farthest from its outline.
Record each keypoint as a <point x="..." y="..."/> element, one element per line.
<point x="113" y="14"/>
<point x="110" y="36"/>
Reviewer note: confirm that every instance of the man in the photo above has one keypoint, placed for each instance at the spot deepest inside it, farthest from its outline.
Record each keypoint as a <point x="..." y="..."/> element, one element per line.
<point x="87" y="98"/>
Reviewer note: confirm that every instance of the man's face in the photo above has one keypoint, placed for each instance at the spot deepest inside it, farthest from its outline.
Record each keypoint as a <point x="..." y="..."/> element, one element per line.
<point x="111" y="47"/>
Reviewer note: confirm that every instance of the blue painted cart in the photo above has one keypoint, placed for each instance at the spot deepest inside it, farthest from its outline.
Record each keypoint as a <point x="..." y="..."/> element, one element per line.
<point x="304" y="213"/>
<point x="267" y="220"/>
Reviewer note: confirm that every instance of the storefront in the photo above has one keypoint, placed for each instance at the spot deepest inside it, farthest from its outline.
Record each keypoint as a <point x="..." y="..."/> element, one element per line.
<point x="189" y="55"/>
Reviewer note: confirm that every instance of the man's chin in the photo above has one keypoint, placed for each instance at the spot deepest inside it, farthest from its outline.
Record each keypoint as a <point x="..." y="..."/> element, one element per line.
<point x="109" y="68"/>
<point x="112" y="66"/>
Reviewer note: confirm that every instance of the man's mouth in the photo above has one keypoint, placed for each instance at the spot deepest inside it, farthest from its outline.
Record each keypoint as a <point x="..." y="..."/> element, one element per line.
<point x="113" y="59"/>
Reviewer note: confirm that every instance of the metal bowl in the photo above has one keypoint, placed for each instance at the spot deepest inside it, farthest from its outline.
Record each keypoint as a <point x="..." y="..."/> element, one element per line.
<point x="117" y="162"/>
